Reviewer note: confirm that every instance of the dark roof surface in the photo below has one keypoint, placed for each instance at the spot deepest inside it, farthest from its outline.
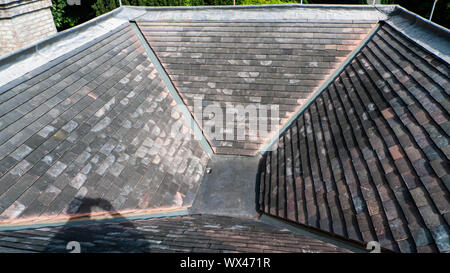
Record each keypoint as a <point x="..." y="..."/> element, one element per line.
<point x="97" y="124"/>
<point x="86" y="119"/>
<point x="196" y="233"/>
<point x="248" y="63"/>
<point x="368" y="159"/>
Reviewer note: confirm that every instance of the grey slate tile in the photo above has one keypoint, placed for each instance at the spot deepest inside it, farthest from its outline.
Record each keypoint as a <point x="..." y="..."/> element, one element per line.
<point x="220" y="65"/>
<point x="72" y="132"/>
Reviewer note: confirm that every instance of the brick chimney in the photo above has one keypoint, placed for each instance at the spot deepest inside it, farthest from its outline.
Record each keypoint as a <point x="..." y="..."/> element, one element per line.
<point x="23" y="22"/>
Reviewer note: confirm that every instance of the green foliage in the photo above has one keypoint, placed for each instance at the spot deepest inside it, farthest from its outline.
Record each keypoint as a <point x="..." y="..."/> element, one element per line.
<point x="60" y="17"/>
<point x="66" y="16"/>
<point x="100" y="7"/>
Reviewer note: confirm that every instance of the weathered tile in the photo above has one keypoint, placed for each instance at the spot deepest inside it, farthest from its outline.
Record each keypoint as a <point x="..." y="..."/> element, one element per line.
<point x="397" y="149"/>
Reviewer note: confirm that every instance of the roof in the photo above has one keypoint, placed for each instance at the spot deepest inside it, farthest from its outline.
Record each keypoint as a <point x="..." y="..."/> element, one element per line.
<point x="368" y="158"/>
<point x="97" y="124"/>
<point x="244" y="62"/>
<point x="195" y="233"/>
<point x="273" y="57"/>
<point x="105" y="112"/>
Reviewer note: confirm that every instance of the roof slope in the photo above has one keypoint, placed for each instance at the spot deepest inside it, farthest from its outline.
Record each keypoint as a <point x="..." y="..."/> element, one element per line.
<point x="250" y="63"/>
<point x="86" y="118"/>
<point x="368" y="159"/>
<point x="95" y="124"/>
<point x="196" y="233"/>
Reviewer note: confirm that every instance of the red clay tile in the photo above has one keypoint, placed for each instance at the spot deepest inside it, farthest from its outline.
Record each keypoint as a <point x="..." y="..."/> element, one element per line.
<point x="388" y="113"/>
<point x="396" y="152"/>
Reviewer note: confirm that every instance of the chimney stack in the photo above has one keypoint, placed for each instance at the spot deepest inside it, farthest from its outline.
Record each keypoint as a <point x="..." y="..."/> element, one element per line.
<point x="23" y="22"/>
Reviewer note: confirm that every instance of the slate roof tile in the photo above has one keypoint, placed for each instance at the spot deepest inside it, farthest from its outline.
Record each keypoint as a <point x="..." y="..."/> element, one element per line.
<point x="246" y="63"/>
<point x="63" y="134"/>
<point x="367" y="159"/>
<point x="380" y="120"/>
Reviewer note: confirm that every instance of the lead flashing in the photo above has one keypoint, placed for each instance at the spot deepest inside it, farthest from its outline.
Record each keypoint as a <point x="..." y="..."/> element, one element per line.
<point x="311" y="13"/>
<point x="431" y="36"/>
<point x="44" y="52"/>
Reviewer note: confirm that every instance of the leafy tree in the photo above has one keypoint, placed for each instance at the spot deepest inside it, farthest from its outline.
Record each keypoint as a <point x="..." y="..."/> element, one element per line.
<point x="66" y="16"/>
<point x="100" y="7"/>
<point x="61" y="18"/>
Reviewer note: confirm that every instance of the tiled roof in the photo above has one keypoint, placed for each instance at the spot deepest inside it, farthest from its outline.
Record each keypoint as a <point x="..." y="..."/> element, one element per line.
<point x="95" y="124"/>
<point x="249" y="62"/>
<point x="88" y="115"/>
<point x="196" y="233"/>
<point x="368" y="158"/>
